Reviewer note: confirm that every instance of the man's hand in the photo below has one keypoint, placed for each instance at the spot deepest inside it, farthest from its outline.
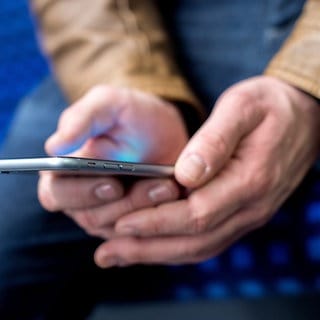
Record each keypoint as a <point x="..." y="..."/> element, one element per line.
<point x="120" y="124"/>
<point x="242" y="164"/>
<point x="113" y="123"/>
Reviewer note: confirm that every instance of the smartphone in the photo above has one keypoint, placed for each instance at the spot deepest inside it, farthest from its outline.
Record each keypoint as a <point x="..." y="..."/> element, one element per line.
<point x="73" y="165"/>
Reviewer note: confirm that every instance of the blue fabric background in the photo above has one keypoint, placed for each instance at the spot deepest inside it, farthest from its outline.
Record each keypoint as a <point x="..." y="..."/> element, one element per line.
<point x="21" y="63"/>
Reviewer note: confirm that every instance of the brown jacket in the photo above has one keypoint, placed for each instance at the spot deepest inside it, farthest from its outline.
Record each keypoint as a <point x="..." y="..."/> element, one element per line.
<point x="122" y="43"/>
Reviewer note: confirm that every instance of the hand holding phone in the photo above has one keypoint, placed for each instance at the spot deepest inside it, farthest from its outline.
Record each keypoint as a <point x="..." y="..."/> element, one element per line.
<point x="120" y="124"/>
<point x="117" y="124"/>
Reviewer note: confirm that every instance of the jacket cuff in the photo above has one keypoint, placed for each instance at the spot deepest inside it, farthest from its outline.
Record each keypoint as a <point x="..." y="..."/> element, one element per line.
<point x="171" y="88"/>
<point x="298" y="61"/>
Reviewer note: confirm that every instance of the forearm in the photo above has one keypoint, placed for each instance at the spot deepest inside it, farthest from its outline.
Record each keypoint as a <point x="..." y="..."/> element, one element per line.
<point x="298" y="61"/>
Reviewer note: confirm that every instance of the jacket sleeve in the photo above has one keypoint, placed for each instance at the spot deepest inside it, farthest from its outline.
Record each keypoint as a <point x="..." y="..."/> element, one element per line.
<point x="298" y="61"/>
<point x="116" y="42"/>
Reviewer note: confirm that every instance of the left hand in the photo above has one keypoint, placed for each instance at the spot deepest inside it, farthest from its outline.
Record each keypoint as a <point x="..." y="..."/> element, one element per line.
<point x="120" y="124"/>
<point x="112" y="123"/>
<point x="242" y="164"/>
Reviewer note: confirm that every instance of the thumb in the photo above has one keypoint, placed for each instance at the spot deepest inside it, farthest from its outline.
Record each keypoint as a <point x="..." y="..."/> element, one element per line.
<point x="91" y="116"/>
<point x="234" y="116"/>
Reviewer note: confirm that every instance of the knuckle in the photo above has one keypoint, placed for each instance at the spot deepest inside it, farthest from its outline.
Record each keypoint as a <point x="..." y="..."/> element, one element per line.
<point x="157" y="223"/>
<point x="196" y="252"/>
<point x="214" y="142"/>
<point x="243" y="101"/>
<point x="134" y="255"/>
<point x="65" y="124"/>
<point x="100" y="89"/>
<point x="66" y="116"/>
<point x="129" y="203"/>
<point x="88" y="220"/>
<point x="263" y="216"/>
<point x="198" y="214"/>
<point x="93" y="232"/>
<point x="46" y="200"/>
<point x="102" y="233"/>
<point x="198" y="255"/>
<point x="259" y="183"/>
<point x="260" y="220"/>
<point x="108" y="92"/>
<point x="200" y="224"/>
<point x="257" y="218"/>
<point x="244" y="97"/>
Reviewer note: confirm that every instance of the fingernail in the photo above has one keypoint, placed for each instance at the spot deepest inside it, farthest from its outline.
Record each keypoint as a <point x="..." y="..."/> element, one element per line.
<point x="160" y="193"/>
<point x="106" y="192"/>
<point x="193" y="167"/>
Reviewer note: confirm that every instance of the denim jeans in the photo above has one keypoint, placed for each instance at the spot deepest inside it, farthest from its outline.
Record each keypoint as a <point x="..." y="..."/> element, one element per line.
<point x="219" y="43"/>
<point x="46" y="260"/>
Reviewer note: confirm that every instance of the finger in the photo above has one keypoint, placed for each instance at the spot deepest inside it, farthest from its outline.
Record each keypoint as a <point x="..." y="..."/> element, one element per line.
<point x="111" y="149"/>
<point x="205" y="208"/>
<point x="95" y="113"/>
<point x="235" y="115"/>
<point x="173" y="250"/>
<point x="75" y="192"/>
<point x="145" y="193"/>
<point x="104" y="233"/>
